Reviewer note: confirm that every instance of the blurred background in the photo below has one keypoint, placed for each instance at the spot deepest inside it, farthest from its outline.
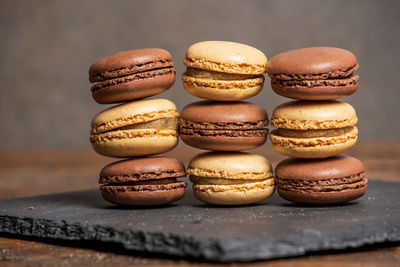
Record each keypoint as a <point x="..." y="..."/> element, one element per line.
<point x="48" y="46"/>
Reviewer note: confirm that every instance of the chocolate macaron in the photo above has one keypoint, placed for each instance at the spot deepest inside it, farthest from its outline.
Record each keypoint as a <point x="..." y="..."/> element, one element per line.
<point x="315" y="73"/>
<point x="143" y="181"/>
<point x="223" y="126"/>
<point x="313" y="129"/>
<point x="132" y="74"/>
<point x="321" y="181"/>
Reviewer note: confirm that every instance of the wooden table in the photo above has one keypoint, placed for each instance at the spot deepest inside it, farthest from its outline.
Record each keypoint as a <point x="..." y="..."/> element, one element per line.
<point x="43" y="172"/>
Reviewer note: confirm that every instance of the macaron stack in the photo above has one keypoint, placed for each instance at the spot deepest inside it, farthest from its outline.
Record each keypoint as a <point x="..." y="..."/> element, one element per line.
<point x="316" y="128"/>
<point x="136" y="128"/>
<point x="225" y="73"/>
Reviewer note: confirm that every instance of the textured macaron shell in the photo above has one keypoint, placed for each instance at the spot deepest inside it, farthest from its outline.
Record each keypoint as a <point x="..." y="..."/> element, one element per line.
<point x="318" y="90"/>
<point x="321" y="181"/>
<point x="213" y="114"/>
<point x="317" y="147"/>
<point x="233" y="165"/>
<point x="149" y="196"/>
<point x="223" y="126"/>
<point x="111" y="136"/>
<point x="313" y="60"/>
<point x="130" y="75"/>
<point x="138" y="143"/>
<point x="229" y="57"/>
<point x="222" y="90"/>
<point x="134" y="86"/>
<point x="142" y="169"/>
<point x="241" y="194"/>
<point x="132" y="113"/>
<point x="304" y="115"/>
<point x="129" y="62"/>
<point x="317" y="169"/>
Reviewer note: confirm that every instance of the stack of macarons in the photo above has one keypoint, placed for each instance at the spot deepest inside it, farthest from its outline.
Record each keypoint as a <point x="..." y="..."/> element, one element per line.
<point x="224" y="73"/>
<point x="316" y="128"/>
<point x="136" y="128"/>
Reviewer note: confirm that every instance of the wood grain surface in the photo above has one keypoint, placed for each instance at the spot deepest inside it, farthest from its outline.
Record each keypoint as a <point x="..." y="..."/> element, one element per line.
<point x="28" y="173"/>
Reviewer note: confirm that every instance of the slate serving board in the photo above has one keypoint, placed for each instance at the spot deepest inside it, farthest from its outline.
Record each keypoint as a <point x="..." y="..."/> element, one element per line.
<point x="190" y="229"/>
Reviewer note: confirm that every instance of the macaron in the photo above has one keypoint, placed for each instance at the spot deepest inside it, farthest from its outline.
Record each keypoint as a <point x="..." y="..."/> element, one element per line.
<point x="231" y="178"/>
<point x="132" y="74"/>
<point x="332" y="180"/>
<point x="223" y="126"/>
<point x="143" y="181"/>
<point x="315" y="73"/>
<point x="139" y="128"/>
<point x="224" y="71"/>
<point x="313" y="129"/>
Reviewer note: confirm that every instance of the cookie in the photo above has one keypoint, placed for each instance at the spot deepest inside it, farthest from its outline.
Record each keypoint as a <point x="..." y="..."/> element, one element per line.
<point x="231" y="178"/>
<point x="223" y="126"/>
<point x="132" y="74"/>
<point x="313" y="129"/>
<point x="143" y="181"/>
<point x="332" y="180"/>
<point x="315" y="73"/>
<point x="224" y="71"/>
<point x="139" y="128"/>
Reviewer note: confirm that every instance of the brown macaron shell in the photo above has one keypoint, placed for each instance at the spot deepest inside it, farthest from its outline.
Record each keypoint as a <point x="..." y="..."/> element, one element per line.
<point x="332" y="180"/>
<point x="316" y="89"/>
<point x="223" y="126"/>
<point x="149" y="196"/>
<point x="130" y="75"/>
<point x="315" y="73"/>
<point x="143" y="181"/>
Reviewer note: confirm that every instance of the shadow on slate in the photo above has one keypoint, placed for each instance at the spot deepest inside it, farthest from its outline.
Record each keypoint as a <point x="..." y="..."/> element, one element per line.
<point x="192" y="230"/>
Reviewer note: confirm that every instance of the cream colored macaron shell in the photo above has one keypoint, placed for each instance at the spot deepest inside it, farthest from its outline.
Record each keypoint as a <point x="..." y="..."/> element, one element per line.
<point x="138" y="128"/>
<point x="313" y="129"/>
<point x="231" y="178"/>
<point x="225" y="71"/>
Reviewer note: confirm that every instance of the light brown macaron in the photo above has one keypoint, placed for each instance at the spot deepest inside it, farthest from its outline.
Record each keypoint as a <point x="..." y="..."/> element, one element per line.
<point x="313" y="129"/>
<point x="140" y="128"/>
<point x="224" y="71"/>
<point x="231" y="178"/>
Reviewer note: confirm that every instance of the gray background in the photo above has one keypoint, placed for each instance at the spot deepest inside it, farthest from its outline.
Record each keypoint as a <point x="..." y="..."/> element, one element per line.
<point x="48" y="46"/>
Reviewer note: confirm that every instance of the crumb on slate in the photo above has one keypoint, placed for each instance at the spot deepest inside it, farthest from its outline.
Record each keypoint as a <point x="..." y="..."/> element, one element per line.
<point x="31" y="208"/>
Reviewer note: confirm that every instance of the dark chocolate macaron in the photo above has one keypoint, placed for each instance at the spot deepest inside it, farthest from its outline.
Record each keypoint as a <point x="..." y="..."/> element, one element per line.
<point x="143" y="181"/>
<point x="130" y="75"/>
<point x="332" y="180"/>
<point x="315" y="73"/>
<point x="223" y="126"/>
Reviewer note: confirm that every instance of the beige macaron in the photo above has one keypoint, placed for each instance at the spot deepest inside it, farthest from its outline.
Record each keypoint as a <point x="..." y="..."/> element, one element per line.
<point x="231" y="178"/>
<point x="225" y="71"/>
<point x="313" y="129"/>
<point x="138" y="128"/>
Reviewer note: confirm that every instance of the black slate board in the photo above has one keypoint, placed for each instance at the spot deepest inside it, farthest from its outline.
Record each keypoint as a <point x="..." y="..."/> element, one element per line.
<point x="190" y="229"/>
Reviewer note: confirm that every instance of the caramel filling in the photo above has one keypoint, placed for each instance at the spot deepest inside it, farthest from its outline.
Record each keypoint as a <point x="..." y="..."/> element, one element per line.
<point x="162" y="127"/>
<point x="220" y="181"/>
<point x="159" y="124"/>
<point x="214" y="75"/>
<point x="313" y="133"/>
